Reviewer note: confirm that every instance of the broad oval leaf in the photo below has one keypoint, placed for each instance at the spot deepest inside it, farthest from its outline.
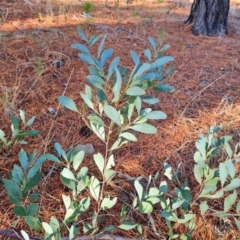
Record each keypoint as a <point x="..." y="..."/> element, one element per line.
<point x="66" y="173"/>
<point x="145" y="207"/>
<point x="68" y="103"/>
<point x="77" y="160"/>
<point x="95" y="188"/>
<point x="147" y="54"/>
<point x="161" y="61"/>
<point x="164" y="88"/>
<point x="87" y="58"/>
<point x="80" y="47"/>
<point x="112" y="113"/>
<point x="93" y="39"/>
<point x="134" y="57"/>
<point x="117" y="86"/>
<point x="81" y="34"/>
<point x="108" y="203"/>
<point x="153" y="43"/>
<point x="156" y="115"/>
<point x="229" y="201"/>
<point x="139" y="189"/>
<point x="88" y="102"/>
<point x="128" y="136"/>
<point x="135" y="91"/>
<point x="235" y="183"/>
<point x="99" y="160"/>
<point x="100" y="48"/>
<point x="66" y="201"/>
<point x="142" y="69"/>
<point x="144" y="128"/>
<point x="127" y="225"/>
<point x="106" y="55"/>
<point x="150" y="100"/>
<point x="222" y="173"/>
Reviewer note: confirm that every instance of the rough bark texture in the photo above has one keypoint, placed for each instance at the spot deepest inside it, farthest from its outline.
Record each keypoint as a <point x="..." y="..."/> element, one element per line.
<point x="209" y="16"/>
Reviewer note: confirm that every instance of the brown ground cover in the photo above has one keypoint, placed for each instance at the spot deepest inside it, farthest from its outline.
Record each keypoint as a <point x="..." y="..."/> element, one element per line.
<point x="206" y="79"/>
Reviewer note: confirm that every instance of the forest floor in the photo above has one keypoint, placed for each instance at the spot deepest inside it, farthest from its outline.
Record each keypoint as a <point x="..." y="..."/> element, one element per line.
<point x="206" y="79"/>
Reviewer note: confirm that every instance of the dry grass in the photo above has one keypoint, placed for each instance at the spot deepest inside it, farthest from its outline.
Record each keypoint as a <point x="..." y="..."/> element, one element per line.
<point x="206" y="79"/>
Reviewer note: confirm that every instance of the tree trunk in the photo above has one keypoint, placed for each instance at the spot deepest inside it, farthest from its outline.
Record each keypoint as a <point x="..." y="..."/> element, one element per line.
<point x="209" y="16"/>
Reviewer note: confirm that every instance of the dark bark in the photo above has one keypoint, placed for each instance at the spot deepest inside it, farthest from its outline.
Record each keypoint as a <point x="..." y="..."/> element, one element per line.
<point x="209" y="16"/>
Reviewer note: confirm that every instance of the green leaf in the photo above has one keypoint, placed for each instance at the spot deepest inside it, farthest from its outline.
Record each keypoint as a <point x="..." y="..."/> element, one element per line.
<point x="23" y="159"/>
<point x="177" y="204"/>
<point x="230" y="168"/>
<point x="87" y="58"/>
<point x="99" y="160"/>
<point x="142" y="69"/>
<point x="112" y="66"/>
<point x="144" y="128"/>
<point x="147" y="54"/>
<point x="25" y="235"/>
<point x="165" y="47"/>
<point x="156" y="115"/>
<point x="238" y="208"/>
<point x="81" y="47"/>
<point x="112" y="113"/>
<point x="135" y="91"/>
<point x="66" y="173"/>
<point x="161" y="61"/>
<point x="68" y="103"/>
<point x="150" y="100"/>
<point x="106" y="55"/>
<point x="14" y="122"/>
<point x="47" y="228"/>
<point x="127" y="225"/>
<point x="93" y="39"/>
<point x="107" y="203"/>
<point x="164" y="88"/>
<point x="32" y="183"/>
<point x="82" y="34"/>
<point x="109" y="174"/>
<point x="86" y="100"/>
<point x="34" y="196"/>
<point x="109" y="228"/>
<point x="139" y="189"/>
<point x="22" y="115"/>
<point x="77" y="160"/>
<point x="73" y="232"/>
<point x="153" y="43"/>
<point x="2" y="137"/>
<point x="17" y="174"/>
<point x="198" y="173"/>
<point x="134" y="57"/>
<point x="237" y="223"/>
<point x="128" y="136"/>
<point x="32" y="209"/>
<point x="163" y="187"/>
<point x="229" y="201"/>
<point x="100" y="48"/>
<point x="110" y="162"/>
<point x="204" y="207"/>
<point x="95" y="188"/>
<point x="117" y="86"/>
<point x="223" y="173"/>
<point x="30" y="121"/>
<point x="66" y="201"/>
<point x="20" y="211"/>
<point x="235" y="183"/>
<point x="14" y="191"/>
<point x="54" y="223"/>
<point x="145" y="207"/>
<point x="94" y="119"/>
<point x="138" y="104"/>
<point x="33" y="222"/>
